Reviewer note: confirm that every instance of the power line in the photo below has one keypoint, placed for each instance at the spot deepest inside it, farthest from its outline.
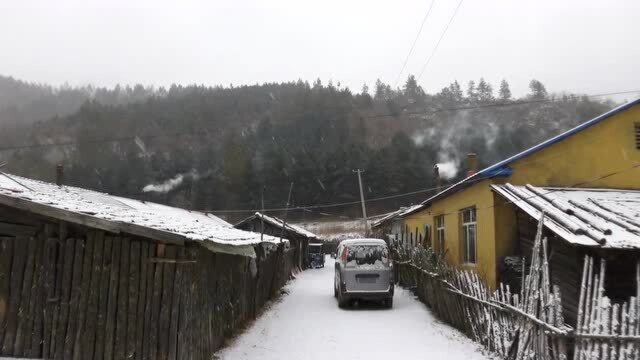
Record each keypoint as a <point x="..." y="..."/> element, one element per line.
<point x="503" y="104"/>
<point x="330" y="205"/>
<point x="424" y="20"/>
<point x="204" y="133"/>
<point x="428" y="190"/>
<point x="305" y="208"/>
<point x="439" y="40"/>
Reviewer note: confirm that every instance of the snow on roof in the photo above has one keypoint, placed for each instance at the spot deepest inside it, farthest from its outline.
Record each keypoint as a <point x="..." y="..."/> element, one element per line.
<point x="396" y="214"/>
<point x="385" y="218"/>
<point x="363" y="241"/>
<point x="279" y="223"/>
<point x="606" y="218"/>
<point x="116" y="213"/>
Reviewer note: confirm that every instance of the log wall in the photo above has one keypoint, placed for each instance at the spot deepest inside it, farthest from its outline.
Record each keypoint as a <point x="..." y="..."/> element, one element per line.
<point x="69" y="292"/>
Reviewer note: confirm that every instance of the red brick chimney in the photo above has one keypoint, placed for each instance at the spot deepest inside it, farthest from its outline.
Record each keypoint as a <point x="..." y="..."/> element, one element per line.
<point x="472" y="164"/>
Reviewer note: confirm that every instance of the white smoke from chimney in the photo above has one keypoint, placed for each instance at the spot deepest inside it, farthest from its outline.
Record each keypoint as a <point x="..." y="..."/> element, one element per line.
<point x="418" y="138"/>
<point x="448" y="169"/>
<point x="170" y="184"/>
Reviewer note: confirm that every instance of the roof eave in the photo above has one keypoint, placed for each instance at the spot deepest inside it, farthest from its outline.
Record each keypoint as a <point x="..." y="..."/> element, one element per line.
<point x="120" y="227"/>
<point x="115" y="227"/>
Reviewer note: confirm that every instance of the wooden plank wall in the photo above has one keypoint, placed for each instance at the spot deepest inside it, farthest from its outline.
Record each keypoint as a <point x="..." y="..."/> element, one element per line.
<point x="70" y="294"/>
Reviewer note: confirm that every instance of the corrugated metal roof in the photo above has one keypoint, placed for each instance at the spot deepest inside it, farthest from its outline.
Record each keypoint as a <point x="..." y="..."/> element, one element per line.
<point x="109" y="209"/>
<point x="604" y="218"/>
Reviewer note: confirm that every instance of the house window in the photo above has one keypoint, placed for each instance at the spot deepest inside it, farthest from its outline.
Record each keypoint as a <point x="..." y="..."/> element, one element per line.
<point x="440" y="233"/>
<point x="637" y="134"/>
<point x="469" y="235"/>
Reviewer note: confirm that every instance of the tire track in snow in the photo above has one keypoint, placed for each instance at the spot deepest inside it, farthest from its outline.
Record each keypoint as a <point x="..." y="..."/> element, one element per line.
<point x="307" y="324"/>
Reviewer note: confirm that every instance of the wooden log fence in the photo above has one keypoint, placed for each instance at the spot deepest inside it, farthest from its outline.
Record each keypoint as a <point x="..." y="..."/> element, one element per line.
<point x="605" y="330"/>
<point x="528" y="324"/>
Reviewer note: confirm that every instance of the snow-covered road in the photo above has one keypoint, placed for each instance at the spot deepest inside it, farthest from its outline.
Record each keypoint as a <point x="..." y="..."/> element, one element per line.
<point x="307" y="324"/>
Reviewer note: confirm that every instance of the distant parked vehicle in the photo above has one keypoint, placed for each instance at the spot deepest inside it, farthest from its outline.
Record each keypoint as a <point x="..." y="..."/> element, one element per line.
<point x="316" y="256"/>
<point x="363" y="271"/>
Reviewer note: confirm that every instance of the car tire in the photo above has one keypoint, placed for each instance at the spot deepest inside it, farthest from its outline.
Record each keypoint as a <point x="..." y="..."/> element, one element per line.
<point x="388" y="303"/>
<point x="342" y="302"/>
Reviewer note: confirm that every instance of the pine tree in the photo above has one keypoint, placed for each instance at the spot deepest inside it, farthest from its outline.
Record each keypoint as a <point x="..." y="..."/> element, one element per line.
<point x="380" y="90"/>
<point x="365" y="89"/>
<point x="484" y="91"/>
<point x="365" y="98"/>
<point x="452" y="94"/>
<point x="472" y="94"/>
<point x="538" y="91"/>
<point x="456" y="91"/>
<point x="411" y="87"/>
<point x="413" y="91"/>
<point x="505" y="91"/>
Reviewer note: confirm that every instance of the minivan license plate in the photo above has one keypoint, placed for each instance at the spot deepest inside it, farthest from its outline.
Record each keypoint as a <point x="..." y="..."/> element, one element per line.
<point x="366" y="278"/>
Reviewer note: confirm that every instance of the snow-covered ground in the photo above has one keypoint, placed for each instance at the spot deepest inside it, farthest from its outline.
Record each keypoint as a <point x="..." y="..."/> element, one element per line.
<point x="307" y="324"/>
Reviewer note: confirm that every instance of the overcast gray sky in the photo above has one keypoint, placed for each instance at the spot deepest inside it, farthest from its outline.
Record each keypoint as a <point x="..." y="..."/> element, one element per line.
<point x="588" y="46"/>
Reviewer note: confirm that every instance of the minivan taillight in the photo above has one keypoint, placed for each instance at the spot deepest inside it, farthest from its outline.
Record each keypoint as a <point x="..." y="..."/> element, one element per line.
<point x="345" y="254"/>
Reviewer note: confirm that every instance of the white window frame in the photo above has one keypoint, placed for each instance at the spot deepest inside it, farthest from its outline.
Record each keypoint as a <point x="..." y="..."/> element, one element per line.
<point x="440" y="233"/>
<point x="469" y="222"/>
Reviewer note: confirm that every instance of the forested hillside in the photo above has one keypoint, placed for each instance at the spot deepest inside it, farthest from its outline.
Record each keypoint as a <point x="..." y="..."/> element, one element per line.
<point x="218" y="147"/>
<point x="23" y="103"/>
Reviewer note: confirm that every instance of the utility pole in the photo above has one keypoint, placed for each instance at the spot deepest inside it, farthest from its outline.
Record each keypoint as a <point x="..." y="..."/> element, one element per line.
<point x="284" y="222"/>
<point x="364" y="208"/>
<point x="262" y="214"/>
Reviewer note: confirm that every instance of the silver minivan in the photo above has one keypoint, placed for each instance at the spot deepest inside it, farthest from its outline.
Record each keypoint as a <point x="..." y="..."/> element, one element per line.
<point x="363" y="271"/>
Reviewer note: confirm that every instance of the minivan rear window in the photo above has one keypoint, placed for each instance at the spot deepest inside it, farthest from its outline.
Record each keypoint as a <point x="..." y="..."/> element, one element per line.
<point x="363" y="255"/>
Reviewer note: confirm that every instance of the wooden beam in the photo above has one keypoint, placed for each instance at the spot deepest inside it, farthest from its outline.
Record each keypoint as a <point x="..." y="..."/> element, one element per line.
<point x="150" y="233"/>
<point x="16" y="229"/>
<point x="60" y="214"/>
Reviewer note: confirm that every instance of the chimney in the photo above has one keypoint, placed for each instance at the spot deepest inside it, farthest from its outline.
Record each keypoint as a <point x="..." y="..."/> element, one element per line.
<point x="472" y="164"/>
<point x="59" y="174"/>
<point x="436" y="176"/>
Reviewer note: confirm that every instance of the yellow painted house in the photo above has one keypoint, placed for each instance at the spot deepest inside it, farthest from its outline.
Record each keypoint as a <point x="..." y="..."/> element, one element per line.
<point x="477" y="229"/>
